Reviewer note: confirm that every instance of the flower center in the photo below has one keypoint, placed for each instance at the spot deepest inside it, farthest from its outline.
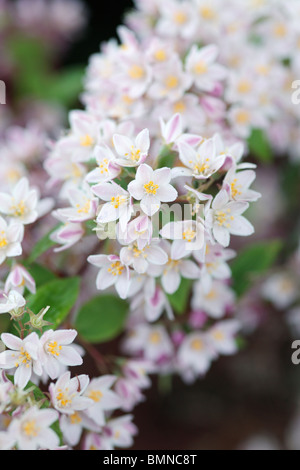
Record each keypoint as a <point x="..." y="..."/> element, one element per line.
<point x="244" y="86"/>
<point x="189" y="235"/>
<point x="116" y="269"/>
<point x="23" y="359"/>
<point x="87" y="141"/>
<point x="95" y="395"/>
<point x="179" y="107"/>
<point x="280" y="30"/>
<point x="155" y="338"/>
<point x="104" y="166"/>
<point x="200" y="68"/>
<point x="180" y="17"/>
<point x="134" y="155"/>
<point x="75" y="418"/>
<point x="64" y="398"/>
<point x="234" y="189"/>
<point x="207" y="13"/>
<point x="223" y="218"/>
<point x="18" y="210"/>
<point x="3" y="240"/>
<point x="160" y="55"/>
<point x="218" y="335"/>
<point x="197" y="345"/>
<point x="151" y="188"/>
<point x="172" y="81"/>
<point x="30" y="429"/>
<point x="243" y="117"/>
<point x="54" y="348"/>
<point x="117" y="201"/>
<point x="136" y="72"/>
<point x="84" y="209"/>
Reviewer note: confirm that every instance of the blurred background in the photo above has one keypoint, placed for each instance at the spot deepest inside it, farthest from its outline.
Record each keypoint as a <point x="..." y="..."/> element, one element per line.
<point x="247" y="401"/>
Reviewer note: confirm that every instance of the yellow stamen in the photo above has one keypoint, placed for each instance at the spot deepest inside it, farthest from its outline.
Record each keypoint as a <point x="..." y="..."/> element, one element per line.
<point x="87" y="141"/>
<point x="116" y="269"/>
<point x="95" y="395"/>
<point x="136" y="72"/>
<point x="30" y="429"/>
<point x="151" y="188"/>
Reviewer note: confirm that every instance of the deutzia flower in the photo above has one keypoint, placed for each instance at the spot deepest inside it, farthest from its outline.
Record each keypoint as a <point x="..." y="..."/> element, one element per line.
<point x="31" y="431"/>
<point x="281" y="289"/>
<point x="73" y="425"/>
<point x="23" y="356"/>
<point x="107" y="168"/>
<point x="67" y="394"/>
<point x="13" y="302"/>
<point x="84" y="206"/>
<point x="238" y="183"/>
<point x="202" y="162"/>
<point x="225" y="218"/>
<point x="140" y="259"/>
<point x="195" y="356"/>
<point x="132" y="153"/>
<point x="18" y="279"/>
<point x="55" y="349"/>
<point x="118" y="205"/>
<point x="22" y="204"/>
<point x="152" y="187"/>
<point x="213" y="302"/>
<point x="112" y="272"/>
<point x="11" y="237"/>
<point x="200" y="64"/>
<point x="103" y="398"/>
<point x="222" y="336"/>
<point x="120" y="431"/>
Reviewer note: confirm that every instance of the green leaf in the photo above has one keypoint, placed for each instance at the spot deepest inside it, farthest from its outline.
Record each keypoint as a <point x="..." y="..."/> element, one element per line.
<point x="60" y="294"/>
<point x="40" y="274"/>
<point x="166" y="157"/>
<point x="66" y="87"/>
<point x="180" y="299"/>
<point x="102" y="319"/>
<point x="4" y="323"/>
<point x="254" y="261"/>
<point x="260" y="147"/>
<point x="42" y="246"/>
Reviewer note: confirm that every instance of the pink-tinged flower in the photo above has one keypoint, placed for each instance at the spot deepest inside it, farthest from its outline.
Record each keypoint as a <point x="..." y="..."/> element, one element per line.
<point x="120" y="431"/>
<point x="151" y="341"/>
<point x="83" y="137"/>
<point x="138" y="231"/>
<point x="84" y="206"/>
<point x="135" y="75"/>
<point x="95" y="441"/>
<point x="23" y="356"/>
<point x="138" y="371"/>
<point x="188" y="234"/>
<point x="6" y="387"/>
<point x="73" y="425"/>
<point x="32" y="430"/>
<point x="11" y="237"/>
<point x="171" y="82"/>
<point x="13" y="302"/>
<point x="132" y="152"/>
<point x="67" y="394"/>
<point x="176" y="267"/>
<point x="118" y="206"/>
<point x="237" y="184"/>
<point x="214" y="302"/>
<point x="225" y="219"/>
<point x="195" y="356"/>
<point x="281" y="289"/>
<point x="102" y="397"/>
<point x="55" y="349"/>
<point x="172" y="129"/>
<point x="223" y="337"/>
<point x="18" y="279"/>
<point x="202" y="162"/>
<point x="152" y="187"/>
<point x="200" y="64"/>
<point x="67" y="235"/>
<point x="130" y="394"/>
<point x="177" y="19"/>
<point x="214" y="264"/>
<point x="22" y="204"/>
<point x="135" y="379"/>
<point x="7" y="440"/>
<point x="107" y="169"/>
<point x="140" y="259"/>
<point x="112" y="272"/>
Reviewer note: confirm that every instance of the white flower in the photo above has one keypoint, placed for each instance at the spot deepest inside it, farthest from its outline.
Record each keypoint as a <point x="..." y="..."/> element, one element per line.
<point x="67" y="394"/>
<point x="23" y="356"/>
<point x="152" y="187"/>
<point x="222" y="336"/>
<point x="11" y="302"/>
<point x="22" y="205"/>
<point x="18" y="279"/>
<point x="200" y="64"/>
<point x="195" y="356"/>
<point x="11" y="237"/>
<point x="281" y="289"/>
<point x="103" y="398"/>
<point x="107" y="169"/>
<point x="225" y="218"/>
<point x="32" y="430"/>
<point x="73" y="425"/>
<point x="171" y="82"/>
<point x="202" y="162"/>
<point x="132" y="152"/>
<point x="140" y="259"/>
<point x="237" y="184"/>
<point x="84" y="206"/>
<point x="55" y="350"/>
<point x="120" y="431"/>
<point x="112" y="272"/>
<point x="214" y="302"/>
<point x="118" y="206"/>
